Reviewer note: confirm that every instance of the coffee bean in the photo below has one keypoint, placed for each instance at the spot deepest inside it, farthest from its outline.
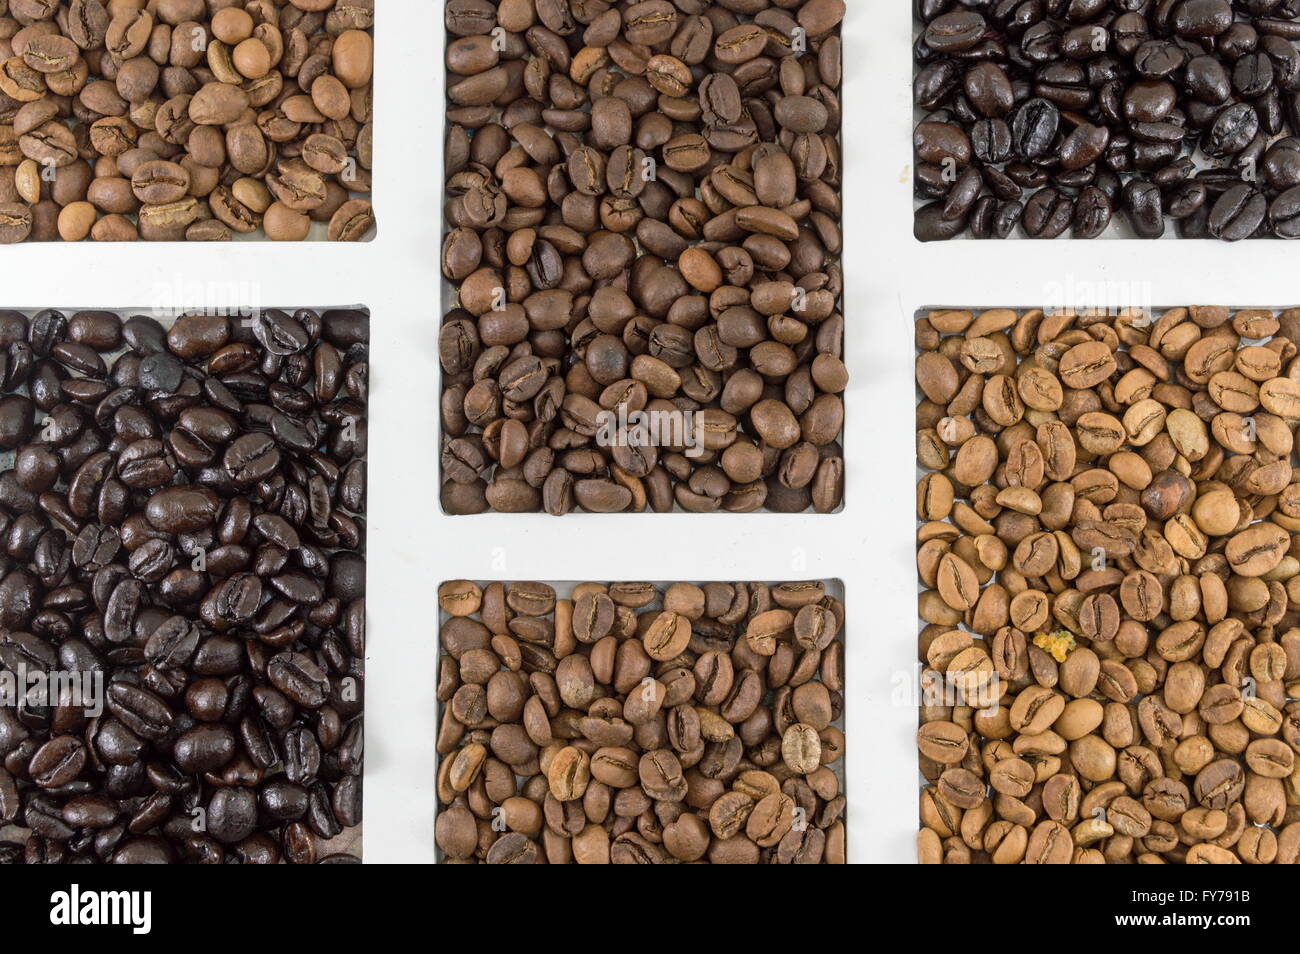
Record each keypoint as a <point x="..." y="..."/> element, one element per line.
<point x="57" y="762"/>
<point x="733" y="751"/>
<point x="610" y="342"/>
<point x="1087" y="456"/>
<point x="198" y="550"/>
<point x="1081" y="106"/>
<point x="151" y="137"/>
<point x="1238" y="213"/>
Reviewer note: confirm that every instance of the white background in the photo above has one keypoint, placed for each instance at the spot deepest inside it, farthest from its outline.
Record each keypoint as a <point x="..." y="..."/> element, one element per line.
<point x="868" y="545"/>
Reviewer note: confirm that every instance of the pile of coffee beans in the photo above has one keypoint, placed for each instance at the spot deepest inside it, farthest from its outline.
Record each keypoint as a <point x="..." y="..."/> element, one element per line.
<point x="631" y="723"/>
<point x="1061" y="116"/>
<point x="1110" y="573"/>
<point x="182" y="517"/>
<point x="185" y="119"/>
<point x="643" y="216"/>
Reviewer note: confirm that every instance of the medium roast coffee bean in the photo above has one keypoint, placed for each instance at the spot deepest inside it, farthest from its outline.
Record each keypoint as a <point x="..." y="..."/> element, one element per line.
<point x="640" y="711"/>
<point x="642" y="242"/>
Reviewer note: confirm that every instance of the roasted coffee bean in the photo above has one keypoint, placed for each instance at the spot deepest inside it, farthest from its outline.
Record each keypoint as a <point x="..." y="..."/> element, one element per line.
<point x="1105" y="525"/>
<point x="642" y="244"/>
<point x="195" y="568"/>
<point x="1082" y="103"/>
<point x="188" y="122"/>
<point x="649" y="732"/>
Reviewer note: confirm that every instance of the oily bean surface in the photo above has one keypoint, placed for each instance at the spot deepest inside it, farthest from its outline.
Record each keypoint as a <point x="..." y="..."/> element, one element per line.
<point x="1107" y="117"/>
<point x="184" y="510"/>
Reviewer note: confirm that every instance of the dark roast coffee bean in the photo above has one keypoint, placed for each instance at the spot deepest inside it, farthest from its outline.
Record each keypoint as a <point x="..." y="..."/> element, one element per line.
<point x="1074" y="92"/>
<point x="1142" y="202"/>
<point x="1034" y="127"/>
<point x="197" y="548"/>
<point x="1238" y="213"/>
<point x="1284" y="213"/>
<point x="1092" y="213"/>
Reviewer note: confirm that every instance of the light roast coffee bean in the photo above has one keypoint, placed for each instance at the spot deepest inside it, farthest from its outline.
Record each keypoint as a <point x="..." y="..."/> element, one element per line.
<point x="1109" y="580"/>
<point x="186" y="120"/>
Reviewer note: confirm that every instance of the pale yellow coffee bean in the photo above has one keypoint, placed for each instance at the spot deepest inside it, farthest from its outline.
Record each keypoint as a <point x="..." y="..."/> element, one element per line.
<point x="252" y="58"/>
<point x="1093" y="758"/>
<point x="232" y="25"/>
<point x="1281" y="396"/>
<point x="1020" y="499"/>
<point x="1132" y="469"/>
<point x="1185" y="537"/>
<point x="1204" y="823"/>
<point x="1188" y="433"/>
<point x="1207" y="854"/>
<point x="1079" y="718"/>
<point x="1217" y="513"/>
<point x="1091" y="830"/>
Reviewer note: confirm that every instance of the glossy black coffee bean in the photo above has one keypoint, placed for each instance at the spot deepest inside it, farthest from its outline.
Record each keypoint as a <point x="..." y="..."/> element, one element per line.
<point x="1047" y="214"/>
<point x="192" y="534"/>
<point x="1238" y="213"/>
<point x="1107" y="93"/>
<point x="1092" y="213"/>
<point x="1143" y="205"/>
